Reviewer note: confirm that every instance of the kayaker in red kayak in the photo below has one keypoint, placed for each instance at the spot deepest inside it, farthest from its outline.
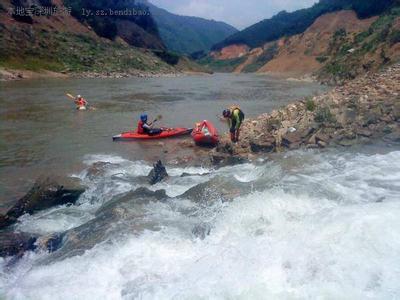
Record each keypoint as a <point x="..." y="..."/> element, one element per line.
<point x="235" y="117"/>
<point x="80" y="102"/>
<point x="145" y="127"/>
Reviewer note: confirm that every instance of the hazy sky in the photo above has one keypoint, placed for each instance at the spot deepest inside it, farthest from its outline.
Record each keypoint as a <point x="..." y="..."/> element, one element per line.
<point x="239" y="13"/>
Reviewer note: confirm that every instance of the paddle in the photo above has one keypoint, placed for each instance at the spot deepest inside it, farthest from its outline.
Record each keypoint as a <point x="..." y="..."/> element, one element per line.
<point x="158" y="118"/>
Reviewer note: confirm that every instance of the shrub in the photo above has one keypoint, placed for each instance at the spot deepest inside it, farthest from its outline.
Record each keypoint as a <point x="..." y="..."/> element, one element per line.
<point x="394" y="37"/>
<point x="344" y="49"/>
<point x="324" y="115"/>
<point x="322" y="59"/>
<point x="362" y="36"/>
<point x="274" y="124"/>
<point x="340" y="33"/>
<point x="168" y="57"/>
<point x="310" y="104"/>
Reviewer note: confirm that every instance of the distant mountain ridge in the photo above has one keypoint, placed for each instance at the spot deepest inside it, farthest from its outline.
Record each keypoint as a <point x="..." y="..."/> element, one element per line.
<point x="186" y="34"/>
<point x="289" y="24"/>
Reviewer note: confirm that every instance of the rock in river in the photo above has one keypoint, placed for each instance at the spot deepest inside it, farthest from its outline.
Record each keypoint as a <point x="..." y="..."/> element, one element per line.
<point x="12" y="243"/>
<point x="46" y="193"/>
<point x="158" y="174"/>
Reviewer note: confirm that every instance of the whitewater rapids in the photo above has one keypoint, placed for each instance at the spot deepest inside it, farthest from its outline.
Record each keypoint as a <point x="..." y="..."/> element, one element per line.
<point x="304" y="225"/>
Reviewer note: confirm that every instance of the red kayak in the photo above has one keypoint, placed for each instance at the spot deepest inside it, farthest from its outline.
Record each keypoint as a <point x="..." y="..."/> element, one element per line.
<point x="205" y="134"/>
<point x="166" y="133"/>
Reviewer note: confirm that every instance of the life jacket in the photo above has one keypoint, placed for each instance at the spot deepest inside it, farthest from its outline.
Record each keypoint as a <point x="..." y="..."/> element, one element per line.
<point x="140" y="129"/>
<point x="81" y="102"/>
<point x="237" y="107"/>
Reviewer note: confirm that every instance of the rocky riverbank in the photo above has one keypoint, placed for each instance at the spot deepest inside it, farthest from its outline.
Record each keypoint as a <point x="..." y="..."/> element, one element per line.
<point x="11" y="74"/>
<point x="356" y="112"/>
<point x="127" y="74"/>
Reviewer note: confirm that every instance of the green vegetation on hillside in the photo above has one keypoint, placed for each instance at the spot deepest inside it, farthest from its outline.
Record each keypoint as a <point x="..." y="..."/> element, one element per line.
<point x="263" y="59"/>
<point x="350" y="56"/>
<point x="223" y="66"/>
<point x="66" y="52"/>
<point x="288" y="24"/>
<point x="137" y="27"/>
<point x="185" y="34"/>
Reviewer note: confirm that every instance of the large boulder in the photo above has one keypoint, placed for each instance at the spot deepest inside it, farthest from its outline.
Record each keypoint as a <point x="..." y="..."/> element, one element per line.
<point x="266" y="144"/>
<point x="348" y="116"/>
<point x="364" y="132"/>
<point x="223" y="159"/>
<point x="393" y="137"/>
<point x="372" y="116"/>
<point x="396" y="111"/>
<point x="292" y="140"/>
<point x="45" y="193"/>
<point x="158" y="173"/>
<point x="217" y="189"/>
<point x="225" y="147"/>
<point x="125" y="214"/>
<point x="13" y="243"/>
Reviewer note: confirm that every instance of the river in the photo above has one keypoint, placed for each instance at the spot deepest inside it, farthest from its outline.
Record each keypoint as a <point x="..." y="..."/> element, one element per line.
<point x="301" y="225"/>
<point x="42" y="133"/>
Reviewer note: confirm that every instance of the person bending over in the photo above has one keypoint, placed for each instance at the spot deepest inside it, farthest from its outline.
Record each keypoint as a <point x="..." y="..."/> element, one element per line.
<point x="235" y="117"/>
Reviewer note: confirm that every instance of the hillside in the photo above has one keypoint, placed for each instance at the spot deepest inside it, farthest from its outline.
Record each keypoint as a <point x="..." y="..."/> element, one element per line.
<point x="288" y="24"/>
<point x="304" y="53"/>
<point x="137" y="27"/>
<point x="337" y="46"/>
<point x="186" y="35"/>
<point x="82" y="44"/>
<point x="62" y="43"/>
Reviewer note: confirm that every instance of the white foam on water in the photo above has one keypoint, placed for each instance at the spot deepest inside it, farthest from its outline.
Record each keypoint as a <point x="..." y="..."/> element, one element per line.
<point x="267" y="245"/>
<point x="173" y="171"/>
<point x="115" y="177"/>
<point x="107" y="158"/>
<point x="55" y="220"/>
<point x="248" y="172"/>
<point x="287" y="242"/>
<point x="119" y="165"/>
<point x="175" y="186"/>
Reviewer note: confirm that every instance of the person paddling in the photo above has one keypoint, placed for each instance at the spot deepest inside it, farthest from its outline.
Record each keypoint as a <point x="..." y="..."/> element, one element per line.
<point x="235" y="117"/>
<point x="145" y="127"/>
<point x="80" y="102"/>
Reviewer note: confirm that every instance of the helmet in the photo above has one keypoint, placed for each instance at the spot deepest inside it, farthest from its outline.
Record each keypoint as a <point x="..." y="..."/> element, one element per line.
<point x="143" y="117"/>
<point x="226" y="113"/>
<point x="79" y="96"/>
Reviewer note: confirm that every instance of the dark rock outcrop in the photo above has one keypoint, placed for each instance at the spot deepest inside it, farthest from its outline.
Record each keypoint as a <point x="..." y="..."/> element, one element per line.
<point x="292" y="140"/>
<point x="158" y="174"/>
<point x="265" y="145"/>
<point x="223" y="159"/>
<point x="51" y="242"/>
<point x="216" y="189"/>
<point x="15" y="244"/>
<point x="46" y="193"/>
<point x="126" y="214"/>
<point x="393" y="137"/>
